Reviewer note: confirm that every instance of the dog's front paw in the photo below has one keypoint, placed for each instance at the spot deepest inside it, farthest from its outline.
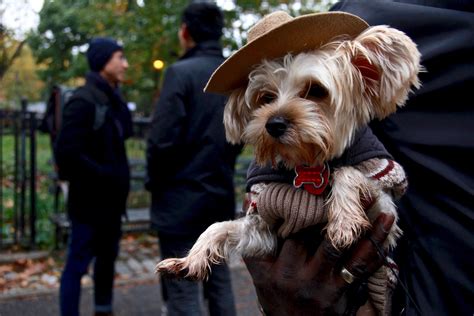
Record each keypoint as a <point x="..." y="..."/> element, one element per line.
<point x="172" y="266"/>
<point x="347" y="219"/>
<point x="344" y="234"/>
<point x="183" y="268"/>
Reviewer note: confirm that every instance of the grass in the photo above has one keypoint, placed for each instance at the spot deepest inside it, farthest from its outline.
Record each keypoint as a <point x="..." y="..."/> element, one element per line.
<point x="44" y="198"/>
<point x="138" y="197"/>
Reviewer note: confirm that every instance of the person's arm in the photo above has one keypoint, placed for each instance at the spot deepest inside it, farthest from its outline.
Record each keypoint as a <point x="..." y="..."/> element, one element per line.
<point x="70" y="147"/>
<point x="166" y="137"/>
<point x="301" y="282"/>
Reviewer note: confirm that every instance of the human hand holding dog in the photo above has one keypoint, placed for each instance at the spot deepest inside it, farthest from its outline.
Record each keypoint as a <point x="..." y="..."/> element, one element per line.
<point x="299" y="281"/>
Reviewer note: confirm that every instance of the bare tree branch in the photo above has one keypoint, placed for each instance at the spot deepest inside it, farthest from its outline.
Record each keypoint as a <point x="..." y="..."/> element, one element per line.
<point x="9" y="60"/>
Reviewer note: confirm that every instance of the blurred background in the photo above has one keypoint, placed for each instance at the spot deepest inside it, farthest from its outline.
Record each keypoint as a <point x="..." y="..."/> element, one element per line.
<point x="42" y="43"/>
<point x="42" y="58"/>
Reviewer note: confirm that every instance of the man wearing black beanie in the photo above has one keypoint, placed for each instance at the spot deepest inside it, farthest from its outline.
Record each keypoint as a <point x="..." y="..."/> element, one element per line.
<point x="90" y="154"/>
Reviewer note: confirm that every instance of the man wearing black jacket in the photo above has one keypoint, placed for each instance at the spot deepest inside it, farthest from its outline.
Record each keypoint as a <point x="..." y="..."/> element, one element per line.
<point x="90" y="154"/>
<point x="432" y="137"/>
<point x="190" y="164"/>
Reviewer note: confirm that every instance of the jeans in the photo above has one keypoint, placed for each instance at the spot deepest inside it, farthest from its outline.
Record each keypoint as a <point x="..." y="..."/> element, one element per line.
<point x="88" y="242"/>
<point x="182" y="296"/>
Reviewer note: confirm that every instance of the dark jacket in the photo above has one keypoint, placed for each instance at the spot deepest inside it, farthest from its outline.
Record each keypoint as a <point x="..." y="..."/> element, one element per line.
<point x="432" y="137"/>
<point x="190" y="163"/>
<point x="90" y="151"/>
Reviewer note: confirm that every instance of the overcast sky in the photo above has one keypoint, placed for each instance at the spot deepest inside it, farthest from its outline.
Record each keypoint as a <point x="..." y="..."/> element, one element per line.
<point x="20" y="15"/>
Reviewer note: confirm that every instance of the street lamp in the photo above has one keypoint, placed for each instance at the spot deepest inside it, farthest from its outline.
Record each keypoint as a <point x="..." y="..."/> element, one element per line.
<point x="158" y="64"/>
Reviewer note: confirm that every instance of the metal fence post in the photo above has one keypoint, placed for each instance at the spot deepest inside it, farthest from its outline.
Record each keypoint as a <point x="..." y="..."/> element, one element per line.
<point x="32" y="179"/>
<point x="16" y="117"/>
<point x="22" y="167"/>
<point x="2" y="117"/>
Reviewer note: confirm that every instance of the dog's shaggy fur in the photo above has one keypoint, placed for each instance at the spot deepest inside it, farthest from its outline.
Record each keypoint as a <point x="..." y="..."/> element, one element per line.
<point x="317" y="100"/>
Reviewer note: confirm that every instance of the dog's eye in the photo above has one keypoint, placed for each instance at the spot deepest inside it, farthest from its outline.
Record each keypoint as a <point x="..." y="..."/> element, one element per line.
<point x="266" y="98"/>
<point x="316" y="91"/>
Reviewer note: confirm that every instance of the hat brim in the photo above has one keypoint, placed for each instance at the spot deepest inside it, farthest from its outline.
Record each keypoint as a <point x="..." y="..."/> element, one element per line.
<point x="293" y="36"/>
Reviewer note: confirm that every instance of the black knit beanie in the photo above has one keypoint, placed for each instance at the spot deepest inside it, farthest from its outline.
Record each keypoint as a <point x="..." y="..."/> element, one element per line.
<point x="100" y="51"/>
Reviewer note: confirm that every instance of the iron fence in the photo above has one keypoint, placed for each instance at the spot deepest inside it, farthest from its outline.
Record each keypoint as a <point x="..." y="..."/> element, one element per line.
<point x="18" y="176"/>
<point x="20" y="180"/>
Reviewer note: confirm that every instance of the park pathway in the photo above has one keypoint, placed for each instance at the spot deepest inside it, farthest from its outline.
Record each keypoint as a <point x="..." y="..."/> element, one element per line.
<point x="137" y="290"/>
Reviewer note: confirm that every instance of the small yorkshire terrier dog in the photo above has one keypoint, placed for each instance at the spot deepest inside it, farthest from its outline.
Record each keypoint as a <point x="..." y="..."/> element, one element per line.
<point x="300" y="108"/>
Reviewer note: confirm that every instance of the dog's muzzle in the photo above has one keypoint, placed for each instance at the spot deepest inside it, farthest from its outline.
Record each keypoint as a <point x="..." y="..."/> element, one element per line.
<point x="276" y="126"/>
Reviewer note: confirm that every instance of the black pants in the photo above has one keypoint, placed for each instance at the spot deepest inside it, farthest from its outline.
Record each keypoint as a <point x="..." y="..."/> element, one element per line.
<point x="182" y="296"/>
<point x="88" y="242"/>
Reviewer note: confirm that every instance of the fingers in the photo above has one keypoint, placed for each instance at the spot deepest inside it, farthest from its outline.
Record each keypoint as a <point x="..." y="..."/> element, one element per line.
<point x="259" y="267"/>
<point x="325" y="258"/>
<point x="286" y="265"/>
<point x="381" y="227"/>
<point x="368" y="255"/>
<point x="293" y="253"/>
<point x="365" y="258"/>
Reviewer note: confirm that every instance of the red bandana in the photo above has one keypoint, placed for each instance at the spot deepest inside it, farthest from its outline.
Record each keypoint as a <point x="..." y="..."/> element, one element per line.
<point x="313" y="179"/>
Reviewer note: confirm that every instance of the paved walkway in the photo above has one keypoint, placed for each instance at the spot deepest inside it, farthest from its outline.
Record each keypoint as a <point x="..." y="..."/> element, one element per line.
<point x="30" y="286"/>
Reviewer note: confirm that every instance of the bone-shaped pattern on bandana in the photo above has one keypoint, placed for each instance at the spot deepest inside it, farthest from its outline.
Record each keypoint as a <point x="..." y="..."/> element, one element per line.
<point x="313" y="179"/>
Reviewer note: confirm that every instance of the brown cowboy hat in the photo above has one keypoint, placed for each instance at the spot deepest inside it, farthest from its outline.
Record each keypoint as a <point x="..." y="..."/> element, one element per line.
<point x="277" y="34"/>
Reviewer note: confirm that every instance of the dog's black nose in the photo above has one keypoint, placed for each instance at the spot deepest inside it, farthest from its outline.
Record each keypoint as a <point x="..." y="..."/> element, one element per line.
<point x="276" y="126"/>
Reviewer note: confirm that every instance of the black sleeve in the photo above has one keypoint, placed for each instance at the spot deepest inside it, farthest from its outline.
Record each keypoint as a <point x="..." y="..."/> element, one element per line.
<point x="70" y="147"/>
<point x="166" y="137"/>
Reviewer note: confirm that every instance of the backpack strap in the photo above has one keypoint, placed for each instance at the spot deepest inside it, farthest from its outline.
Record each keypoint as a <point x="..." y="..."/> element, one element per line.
<point x="96" y="97"/>
<point x="100" y="114"/>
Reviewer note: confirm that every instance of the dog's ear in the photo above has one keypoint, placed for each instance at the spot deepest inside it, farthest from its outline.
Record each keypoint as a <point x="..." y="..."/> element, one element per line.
<point x="236" y="116"/>
<point x="388" y="62"/>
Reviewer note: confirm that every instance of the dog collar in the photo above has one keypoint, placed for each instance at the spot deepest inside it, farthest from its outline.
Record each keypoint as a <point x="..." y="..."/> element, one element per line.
<point x="313" y="179"/>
